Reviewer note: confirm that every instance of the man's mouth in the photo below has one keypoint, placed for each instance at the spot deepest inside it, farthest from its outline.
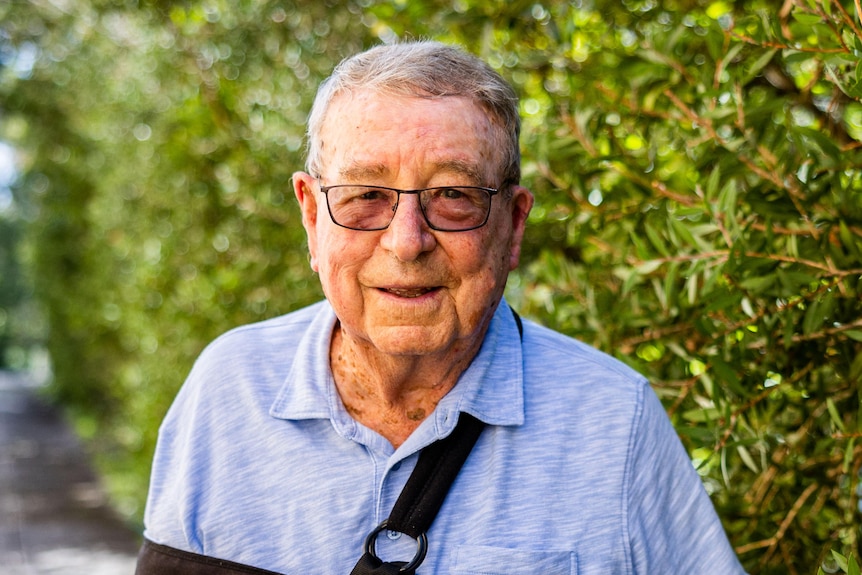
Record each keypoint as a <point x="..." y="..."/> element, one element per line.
<point x="409" y="292"/>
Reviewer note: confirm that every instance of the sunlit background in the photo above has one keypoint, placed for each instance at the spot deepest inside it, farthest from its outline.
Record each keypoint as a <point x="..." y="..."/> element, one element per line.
<point x="697" y="171"/>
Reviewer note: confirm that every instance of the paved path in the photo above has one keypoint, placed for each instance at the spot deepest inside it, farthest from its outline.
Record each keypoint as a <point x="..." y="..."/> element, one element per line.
<point x="53" y="514"/>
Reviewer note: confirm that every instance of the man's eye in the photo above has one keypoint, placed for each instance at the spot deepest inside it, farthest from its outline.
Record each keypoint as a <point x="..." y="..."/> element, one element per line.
<point x="362" y="194"/>
<point x="371" y="195"/>
<point x="451" y="194"/>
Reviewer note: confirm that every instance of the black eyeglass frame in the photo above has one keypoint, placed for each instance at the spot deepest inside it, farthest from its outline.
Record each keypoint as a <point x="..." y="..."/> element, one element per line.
<point x="490" y="191"/>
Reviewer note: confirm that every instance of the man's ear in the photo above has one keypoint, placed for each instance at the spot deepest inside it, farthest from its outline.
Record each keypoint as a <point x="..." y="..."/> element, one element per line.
<point x="303" y="188"/>
<point x="521" y="204"/>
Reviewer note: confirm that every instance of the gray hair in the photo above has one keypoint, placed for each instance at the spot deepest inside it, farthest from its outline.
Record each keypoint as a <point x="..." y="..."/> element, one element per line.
<point x="424" y="69"/>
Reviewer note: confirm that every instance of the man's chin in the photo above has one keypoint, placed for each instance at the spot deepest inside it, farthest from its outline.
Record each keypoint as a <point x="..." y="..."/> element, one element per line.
<point x="407" y="340"/>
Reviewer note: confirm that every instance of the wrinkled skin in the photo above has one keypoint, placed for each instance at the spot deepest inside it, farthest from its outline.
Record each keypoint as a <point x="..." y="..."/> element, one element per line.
<point x="413" y="303"/>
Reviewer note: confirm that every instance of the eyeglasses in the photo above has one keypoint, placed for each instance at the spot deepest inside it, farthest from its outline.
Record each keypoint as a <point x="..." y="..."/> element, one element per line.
<point x="446" y="209"/>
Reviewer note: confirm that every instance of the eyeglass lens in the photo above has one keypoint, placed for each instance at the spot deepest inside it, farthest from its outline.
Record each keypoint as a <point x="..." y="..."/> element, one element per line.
<point x="457" y="208"/>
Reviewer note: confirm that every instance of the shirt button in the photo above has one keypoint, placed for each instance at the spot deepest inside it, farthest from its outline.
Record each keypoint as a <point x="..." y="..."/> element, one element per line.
<point x="393" y="535"/>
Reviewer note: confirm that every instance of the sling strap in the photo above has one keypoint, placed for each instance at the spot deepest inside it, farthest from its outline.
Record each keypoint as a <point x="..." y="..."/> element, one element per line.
<point x="422" y="497"/>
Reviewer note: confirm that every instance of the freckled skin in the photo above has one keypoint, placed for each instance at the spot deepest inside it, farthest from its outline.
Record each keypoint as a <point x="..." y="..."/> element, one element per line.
<point x="416" y="414"/>
<point x="393" y="357"/>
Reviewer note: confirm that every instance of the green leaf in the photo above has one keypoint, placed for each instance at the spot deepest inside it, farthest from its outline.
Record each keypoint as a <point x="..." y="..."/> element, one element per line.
<point x="713" y="183"/>
<point x="854" y="334"/>
<point x="684" y="234"/>
<point x="728" y="200"/>
<point x="670" y="285"/>
<point x="745" y="455"/>
<point x="641" y="247"/>
<point x="849" y="453"/>
<point x="727" y="375"/>
<point x="833" y="414"/>
<point x="649" y="266"/>
<point x="849" y="241"/>
<point x="855" y="372"/>
<point x="806" y="18"/>
<point x="754" y="69"/>
<point x="708" y="384"/>
<point x="813" y="319"/>
<point x="723" y="302"/>
<point x="820" y="140"/>
<point x="701" y="415"/>
<point x="841" y="560"/>
<point x="718" y="9"/>
<point x="852" y="566"/>
<point x="758" y="285"/>
<point x="852" y="89"/>
<point x="859" y="409"/>
<point x="655" y="239"/>
<point x="795" y="282"/>
<point x="692" y="283"/>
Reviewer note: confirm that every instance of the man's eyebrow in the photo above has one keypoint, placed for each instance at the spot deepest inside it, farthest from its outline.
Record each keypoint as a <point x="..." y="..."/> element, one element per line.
<point x="362" y="172"/>
<point x="462" y="168"/>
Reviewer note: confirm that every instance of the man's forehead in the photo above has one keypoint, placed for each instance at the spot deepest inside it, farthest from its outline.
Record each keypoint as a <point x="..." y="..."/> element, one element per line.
<point x="369" y="135"/>
<point x="357" y="170"/>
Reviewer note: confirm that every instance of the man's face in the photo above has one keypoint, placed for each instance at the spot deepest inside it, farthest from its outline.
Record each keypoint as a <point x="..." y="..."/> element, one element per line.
<point x="408" y="289"/>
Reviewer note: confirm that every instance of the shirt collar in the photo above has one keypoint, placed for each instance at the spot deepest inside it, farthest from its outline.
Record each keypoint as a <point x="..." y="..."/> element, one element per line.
<point x="491" y="388"/>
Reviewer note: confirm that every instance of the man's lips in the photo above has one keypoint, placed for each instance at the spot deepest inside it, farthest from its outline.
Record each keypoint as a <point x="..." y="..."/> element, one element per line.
<point x="409" y="292"/>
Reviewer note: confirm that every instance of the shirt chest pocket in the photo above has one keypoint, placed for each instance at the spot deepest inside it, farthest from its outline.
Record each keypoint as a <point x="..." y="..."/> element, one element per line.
<point x="483" y="560"/>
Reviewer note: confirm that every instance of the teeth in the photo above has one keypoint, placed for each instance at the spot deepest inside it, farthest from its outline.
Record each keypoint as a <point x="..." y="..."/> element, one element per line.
<point x="414" y="292"/>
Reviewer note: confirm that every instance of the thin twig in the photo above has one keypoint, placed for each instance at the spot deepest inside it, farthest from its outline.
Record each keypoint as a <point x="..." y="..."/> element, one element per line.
<point x="773" y="541"/>
<point x="782" y="46"/>
<point x="849" y="19"/>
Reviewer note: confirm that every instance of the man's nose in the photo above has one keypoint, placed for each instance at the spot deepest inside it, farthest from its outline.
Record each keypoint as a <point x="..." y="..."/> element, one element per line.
<point x="408" y="235"/>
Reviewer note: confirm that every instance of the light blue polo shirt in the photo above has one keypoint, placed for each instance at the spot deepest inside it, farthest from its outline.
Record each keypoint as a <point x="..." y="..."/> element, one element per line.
<point x="579" y="470"/>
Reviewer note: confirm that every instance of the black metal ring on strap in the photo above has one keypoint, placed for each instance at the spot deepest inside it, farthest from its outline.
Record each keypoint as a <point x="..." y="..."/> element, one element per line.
<point x="421" y="548"/>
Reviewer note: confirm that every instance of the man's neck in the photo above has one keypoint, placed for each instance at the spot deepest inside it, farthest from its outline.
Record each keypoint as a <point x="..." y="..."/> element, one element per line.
<point x="391" y="395"/>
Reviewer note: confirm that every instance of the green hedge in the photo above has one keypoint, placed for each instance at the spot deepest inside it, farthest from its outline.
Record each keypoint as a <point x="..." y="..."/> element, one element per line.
<point x="699" y="212"/>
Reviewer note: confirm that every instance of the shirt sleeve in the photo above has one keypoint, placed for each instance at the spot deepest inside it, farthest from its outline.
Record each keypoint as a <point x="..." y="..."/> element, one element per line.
<point x="673" y="526"/>
<point x="167" y="513"/>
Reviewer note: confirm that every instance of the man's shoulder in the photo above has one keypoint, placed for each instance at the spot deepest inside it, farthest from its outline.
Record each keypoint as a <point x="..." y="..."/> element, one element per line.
<point x="274" y="330"/>
<point x="265" y="342"/>
<point x="557" y="353"/>
<point x="249" y="362"/>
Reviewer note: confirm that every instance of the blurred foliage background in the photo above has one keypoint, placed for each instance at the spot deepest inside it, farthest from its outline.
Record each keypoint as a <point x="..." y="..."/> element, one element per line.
<point x="698" y="174"/>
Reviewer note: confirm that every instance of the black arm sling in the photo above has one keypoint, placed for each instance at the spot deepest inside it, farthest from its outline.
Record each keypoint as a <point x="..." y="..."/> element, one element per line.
<point x="412" y="514"/>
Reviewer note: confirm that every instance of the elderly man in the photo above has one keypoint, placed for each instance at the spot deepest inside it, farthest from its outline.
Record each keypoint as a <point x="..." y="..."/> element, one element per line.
<point x="292" y="439"/>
